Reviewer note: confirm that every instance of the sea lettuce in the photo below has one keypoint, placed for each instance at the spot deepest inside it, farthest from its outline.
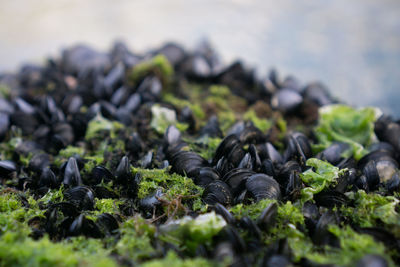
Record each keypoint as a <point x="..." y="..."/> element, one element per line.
<point x="346" y="124"/>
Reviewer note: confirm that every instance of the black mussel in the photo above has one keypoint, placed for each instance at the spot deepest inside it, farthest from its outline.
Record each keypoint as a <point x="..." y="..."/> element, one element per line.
<point x="236" y="179"/>
<point x="224" y="165"/>
<point x="133" y="103"/>
<point x="249" y="225"/>
<point x="103" y="192"/>
<point x="251" y="134"/>
<point x="101" y="174"/>
<point x="120" y="96"/>
<point x="224" y="251"/>
<point x="186" y="115"/>
<point x="172" y="135"/>
<point x="225" y="147"/>
<point x="271" y="153"/>
<point x="330" y="198"/>
<point x="81" y="196"/>
<point x="268" y="168"/>
<point x="135" y="144"/>
<point x="217" y="192"/>
<point x="48" y="179"/>
<point x="149" y="204"/>
<point x="311" y="216"/>
<point x="39" y="162"/>
<point x="388" y="131"/>
<point x="82" y="59"/>
<point x="277" y="260"/>
<point x="255" y="158"/>
<point x="379" y="168"/>
<point x="28" y="123"/>
<point x="372" y="261"/>
<point x="321" y="235"/>
<point x="298" y="148"/>
<point x="267" y="218"/>
<point x="150" y="89"/>
<point x="4" y="124"/>
<point x="286" y="100"/>
<point x="72" y="177"/>
<point x="212" y="128"/>
<point x="83" y="226"/>
<point x="107" y="223"/>
<point x="318" y="94"/>
<point x="63" y="135"/>
<point x="221" y="210"/>
<point x="262" y="186"/>
<point x="187" y="163"/>
<point x="197" y="67"/>
<point x="123" y="171"/>
<point x="286" y="173"/>
<point x="380" y="235"/>
<point x="206" y="175"/>
<point x="230" y="234"/>
<point x="147" y="160"/>
<point x="114" y="78"/>
<point x="246" y="162"/>
<point x="333" y="154"/>
<point x="7" y="169"/>
<point x="173" y="52"/>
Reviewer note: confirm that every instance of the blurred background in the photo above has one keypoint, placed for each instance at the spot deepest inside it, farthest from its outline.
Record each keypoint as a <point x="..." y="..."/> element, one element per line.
<point x="353" y="47"/>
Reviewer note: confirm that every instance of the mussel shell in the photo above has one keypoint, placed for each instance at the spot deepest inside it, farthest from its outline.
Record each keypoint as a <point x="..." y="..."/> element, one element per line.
<point x="221" y="210"/>
<point x="206" y="175"/>
<point x="123" y="172"/>
<point x="107" y="223"/>
<point x="7" y="168"/>
<point x="330" y="198"/>
<point x="261" y="186"/>
<point x="81" y="196"/>
<point x="72" y="177"/>
<point x="187" y="163"/>
<point x="267" y="218"/>
<point x="83" y="226"/>
<point x="217" y="192"/>
<point x="236" y="179"/>
<point x="149" y="204"/>
<point x="48" y="179"/>
<point x="100" y="173"/>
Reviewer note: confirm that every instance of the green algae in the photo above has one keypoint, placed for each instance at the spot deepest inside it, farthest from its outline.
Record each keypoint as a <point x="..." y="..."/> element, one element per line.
<point x="171" y="259"/>
<point x="99" y="125"/>
<point x="318" y="178"/>
<point x="346" y="124"/>
<point x="158" y="65"/>
<point x="173" y="185"/>
<point x="263" y="124"/>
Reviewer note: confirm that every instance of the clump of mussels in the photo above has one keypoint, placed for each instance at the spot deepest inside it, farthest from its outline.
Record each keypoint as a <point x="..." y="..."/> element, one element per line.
<point x="172" y="158"/>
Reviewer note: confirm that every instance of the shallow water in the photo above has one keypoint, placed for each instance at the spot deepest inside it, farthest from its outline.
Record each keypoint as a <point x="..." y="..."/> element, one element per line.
<point x="351" y="46"/>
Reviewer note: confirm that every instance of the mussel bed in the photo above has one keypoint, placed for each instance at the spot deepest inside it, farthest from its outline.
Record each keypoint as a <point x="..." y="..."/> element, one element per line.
<point x="171" y="157"/>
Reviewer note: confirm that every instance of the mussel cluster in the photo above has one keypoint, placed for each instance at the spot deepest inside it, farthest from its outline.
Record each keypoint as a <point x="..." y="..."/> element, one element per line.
<point x="81" y="129"/>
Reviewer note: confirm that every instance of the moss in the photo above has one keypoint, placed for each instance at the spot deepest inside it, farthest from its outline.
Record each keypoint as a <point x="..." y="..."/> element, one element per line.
<point x="181" y="103"/>
<point x="371" y="208"/>
<point x="16" y="250"/>
<point x="5" y="91"/>
<point x="172" y="259"/>
<point x="99" y="125"/>
<point x="204" y="146"/>
<point x="135" y="242"/>
<point x="70" y="151"/>
<point x="353" y="247"/>
<point x="108" y="205"/>
<point x="263" y="124"/>
<point x="158" y="65"/>
<point x="161" y="118"/>
<point x="173" y="185"/>
<point x="188" y="233"/>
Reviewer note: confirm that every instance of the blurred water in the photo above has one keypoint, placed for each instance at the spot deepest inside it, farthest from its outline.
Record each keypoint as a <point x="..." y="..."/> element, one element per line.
<point x="351" y="46"/>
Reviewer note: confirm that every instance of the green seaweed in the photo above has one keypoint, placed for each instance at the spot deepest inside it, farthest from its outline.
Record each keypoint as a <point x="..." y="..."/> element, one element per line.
<point x="318" y="178"/>
<point x="346" y="124"/>
<point x="158" y="65"/>
<point x="263" y="124"/>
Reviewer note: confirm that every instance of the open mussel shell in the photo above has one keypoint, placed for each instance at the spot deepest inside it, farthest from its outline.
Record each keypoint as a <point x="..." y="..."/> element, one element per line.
<point x="261" y="186"/>
<point x="330" y="198"/>
<point x="333" y="154"/>
<point x="225" y="147"/>
<point x="298" y="147"/>
<point x="217" y="192"/>
<point x="81" y="196"/>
